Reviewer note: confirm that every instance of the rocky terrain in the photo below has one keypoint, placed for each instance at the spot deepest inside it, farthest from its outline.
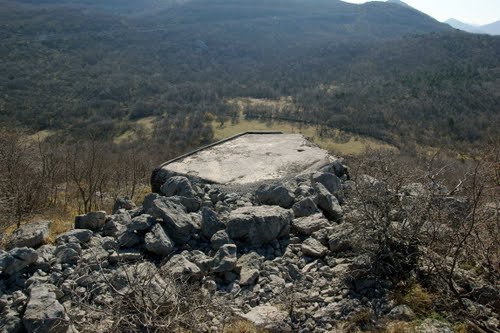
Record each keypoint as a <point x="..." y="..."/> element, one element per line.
<point x="193" y="258"/>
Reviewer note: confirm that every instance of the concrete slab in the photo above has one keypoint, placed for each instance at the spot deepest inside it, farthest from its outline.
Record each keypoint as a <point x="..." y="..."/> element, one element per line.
<point x="248" y="158"/>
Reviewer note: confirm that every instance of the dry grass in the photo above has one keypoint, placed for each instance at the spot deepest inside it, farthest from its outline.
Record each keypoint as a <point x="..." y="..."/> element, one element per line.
<point x="341" y="143"/>
<point x="400" y="327"/>
<point x="419" y="300"/>
<point x="146" y="125"/>
<point x="242" y="326"/>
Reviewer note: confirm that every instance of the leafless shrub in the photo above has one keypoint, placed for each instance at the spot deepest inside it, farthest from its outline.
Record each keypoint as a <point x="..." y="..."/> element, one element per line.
<point x="140" y="297"/>
<point x="434" y="218"/>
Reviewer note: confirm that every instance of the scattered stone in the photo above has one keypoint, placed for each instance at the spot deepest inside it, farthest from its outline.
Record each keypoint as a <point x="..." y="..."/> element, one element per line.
<point x="340" y="237"/>
<point x="305" y="207"/>
<point x="30" y="235"/>
<point x="308" y="225"/>
<point x="434" y="326"/>
<point x="178" y="266"/>
<point x="313" y="248"/>
<point x="219" y="239"/>
<point x="248" y="276"/>
<point x="274" y="194"/>
<point x="269" y="318"/>
<point x="93" y="221"/>
<point x="141" y="223"/>
<point x="225" y="259"/>
<point x="402" y="313"/>
<point x="259" y="225"/>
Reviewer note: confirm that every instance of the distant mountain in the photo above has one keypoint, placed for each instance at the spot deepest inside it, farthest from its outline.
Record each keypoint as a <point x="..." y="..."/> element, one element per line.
<point x="462" y="26"/>
<point x="491" y="29"/>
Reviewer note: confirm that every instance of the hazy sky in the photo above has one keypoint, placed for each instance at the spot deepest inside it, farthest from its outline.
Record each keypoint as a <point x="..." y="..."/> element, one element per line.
<point x="470" y="11"/>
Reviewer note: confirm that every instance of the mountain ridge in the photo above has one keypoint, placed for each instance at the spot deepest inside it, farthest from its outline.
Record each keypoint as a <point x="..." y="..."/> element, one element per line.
<point x="491" y="28"/>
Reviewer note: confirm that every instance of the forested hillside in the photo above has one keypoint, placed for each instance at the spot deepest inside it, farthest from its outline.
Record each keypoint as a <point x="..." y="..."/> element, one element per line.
<point x="80" y="65"/>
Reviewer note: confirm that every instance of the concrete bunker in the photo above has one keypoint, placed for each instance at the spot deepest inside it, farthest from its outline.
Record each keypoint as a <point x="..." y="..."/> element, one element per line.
<point x="246" y="160"/>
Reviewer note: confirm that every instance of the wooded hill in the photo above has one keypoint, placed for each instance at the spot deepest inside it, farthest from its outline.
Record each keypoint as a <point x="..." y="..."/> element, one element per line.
<point x="391" y="72"/>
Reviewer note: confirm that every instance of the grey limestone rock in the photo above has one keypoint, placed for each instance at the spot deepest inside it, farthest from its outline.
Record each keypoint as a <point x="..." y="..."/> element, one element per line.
<point x="30" y="235"/>
<point x="179" y="266"/>
<point x="274" y="194"/>
<point x="141" y="223"/>
<point x="82" y="235"/>
<point x="93" y="221"/>
<point x="17" y="259"/>
<point x="158" y="242"/>
<point x="305" y="207"/>
<point x="178" y="186"/>
<point x="340" y="236"/>
<point x="219" y="239"/>
<point x="259" y="225"/>
<point x="328" y="203"/>
<point x="329" y="180"/>
<point x="178" y="224"/>
<point x="123" y="203"/>
<point x="225" y="259"/>
<point x="308" y="225"/>
<point x="269" y="318"/>
<point x="313" y="248"/>
<point x="44" y="313"/>
<point x="210" y="223"/>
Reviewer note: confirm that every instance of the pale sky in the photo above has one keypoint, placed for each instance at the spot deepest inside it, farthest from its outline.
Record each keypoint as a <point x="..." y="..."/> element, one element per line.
<point x="469" y="11"/>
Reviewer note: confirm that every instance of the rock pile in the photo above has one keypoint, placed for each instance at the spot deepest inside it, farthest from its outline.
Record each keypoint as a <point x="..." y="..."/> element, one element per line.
<point x="281" y="257"/>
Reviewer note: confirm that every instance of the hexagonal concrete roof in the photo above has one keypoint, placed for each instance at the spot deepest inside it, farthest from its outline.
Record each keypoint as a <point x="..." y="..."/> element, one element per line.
<point x="249" y="157"/>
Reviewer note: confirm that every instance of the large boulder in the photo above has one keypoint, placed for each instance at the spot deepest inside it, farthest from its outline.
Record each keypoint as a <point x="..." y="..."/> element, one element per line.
<point x="82" y="235"/>
<point x="158" y="242"/>
<point x="30" y="235"/>
<point x="17" y="259"/>
<point x="328" y="203"/>
<point x="178" y="186"/>
<point x="93" y="221"/>
<point x="274" y="194"/>
<point x="44" y="313"/>
<point x="178" y="224"/>
<point x="259" y="225"/>
<point x="329" y="180"/>
<point x="268" y="318"/>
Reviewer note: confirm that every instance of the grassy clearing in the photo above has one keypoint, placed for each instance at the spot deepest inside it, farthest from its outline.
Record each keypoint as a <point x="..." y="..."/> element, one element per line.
<point x="340" y="143"/>
<point x="143" y="126"/>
